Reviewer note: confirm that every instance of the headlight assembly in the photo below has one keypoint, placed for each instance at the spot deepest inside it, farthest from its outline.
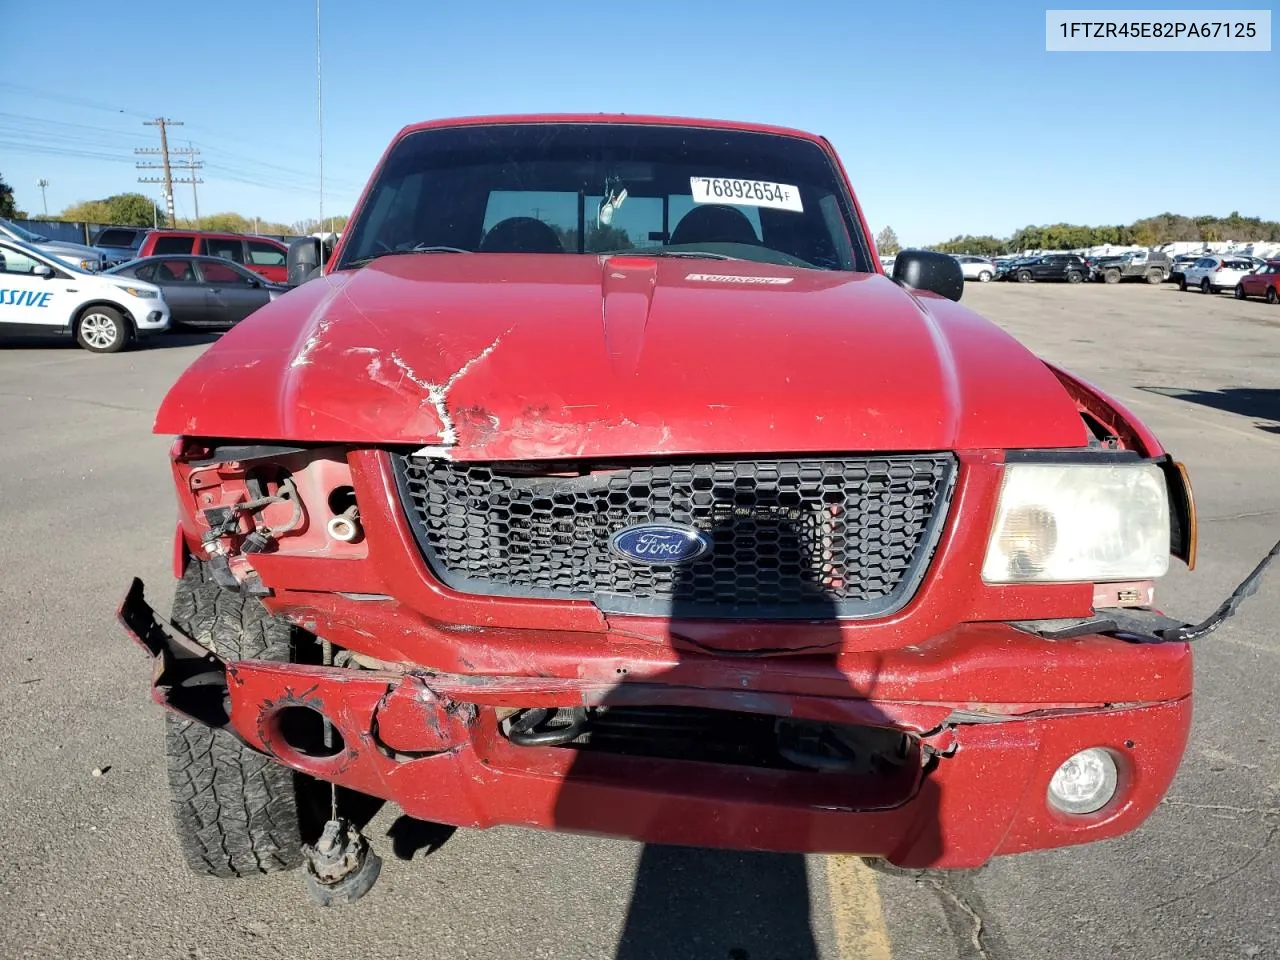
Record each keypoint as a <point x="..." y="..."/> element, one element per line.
<point x="140" y="294"/>
<point x="1077" y="522"/>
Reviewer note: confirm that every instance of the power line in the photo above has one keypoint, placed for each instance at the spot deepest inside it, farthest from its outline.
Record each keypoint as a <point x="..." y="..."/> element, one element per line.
<point x="20" y="146"/>
<point x="74" y="101"/>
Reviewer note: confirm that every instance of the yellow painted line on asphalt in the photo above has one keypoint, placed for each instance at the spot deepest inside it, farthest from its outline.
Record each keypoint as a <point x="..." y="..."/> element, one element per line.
<point x="856" y="912"/>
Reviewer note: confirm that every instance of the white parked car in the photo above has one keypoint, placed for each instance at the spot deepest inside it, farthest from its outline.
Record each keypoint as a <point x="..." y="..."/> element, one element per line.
<point x="42" y="296"/>
<point x="1215" y="274"/>
<point x="976" y="268"/>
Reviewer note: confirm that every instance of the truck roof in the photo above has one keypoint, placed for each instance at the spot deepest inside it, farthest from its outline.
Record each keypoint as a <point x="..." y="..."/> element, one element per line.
<point x="633" y="118"/>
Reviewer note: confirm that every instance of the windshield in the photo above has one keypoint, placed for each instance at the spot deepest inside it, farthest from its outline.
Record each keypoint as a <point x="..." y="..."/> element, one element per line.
<point x="24" y="235"/>
<point x="589" y="188"/>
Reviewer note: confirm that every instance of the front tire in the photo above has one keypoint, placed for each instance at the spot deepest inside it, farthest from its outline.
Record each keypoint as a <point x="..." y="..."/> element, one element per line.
<point x="102" y="330"/>
<point x="236" y="811"/>
<point x="1239" y="292"/>
<point x="1073" y="276"/>
<point x="1111" y="276"/>
<point x="984" y="276"/>
<point x="1205" y="286"/>
<point x="1024" y="276"/>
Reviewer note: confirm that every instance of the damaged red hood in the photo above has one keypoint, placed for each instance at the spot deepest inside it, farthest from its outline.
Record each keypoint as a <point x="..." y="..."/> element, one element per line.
<point x="516" y="357"/>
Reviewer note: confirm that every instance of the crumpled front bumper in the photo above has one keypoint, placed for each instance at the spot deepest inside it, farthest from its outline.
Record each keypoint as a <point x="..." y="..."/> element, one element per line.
<point x="432" y="743"/>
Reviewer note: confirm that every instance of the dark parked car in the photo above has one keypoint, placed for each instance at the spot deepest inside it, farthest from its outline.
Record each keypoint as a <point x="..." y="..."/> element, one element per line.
<point x="119" y="244"/>
<point x="203" y="291"/>
<point x="1054" y="266"/>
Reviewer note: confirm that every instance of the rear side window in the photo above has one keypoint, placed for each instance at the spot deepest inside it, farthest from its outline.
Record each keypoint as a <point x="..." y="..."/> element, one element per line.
<point x="166" y="245"/>
<point x="173" y="271"/>
<point x="146" y="273"/>
<point x="221" y="273"/>
<point x="265" y="254"/>
<point x="226" y="248"/>
<point x="115" y="237"/>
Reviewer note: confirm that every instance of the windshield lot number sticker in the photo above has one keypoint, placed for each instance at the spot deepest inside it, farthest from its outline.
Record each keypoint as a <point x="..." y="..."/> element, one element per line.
<point x="751" y="193"/>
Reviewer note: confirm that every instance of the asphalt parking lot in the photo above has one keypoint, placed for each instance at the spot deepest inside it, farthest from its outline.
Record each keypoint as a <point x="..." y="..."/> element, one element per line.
<point x="91" y="869"/>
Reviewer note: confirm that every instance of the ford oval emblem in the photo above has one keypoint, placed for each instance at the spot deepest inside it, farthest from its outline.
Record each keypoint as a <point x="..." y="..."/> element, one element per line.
<point x="660" y="543"/>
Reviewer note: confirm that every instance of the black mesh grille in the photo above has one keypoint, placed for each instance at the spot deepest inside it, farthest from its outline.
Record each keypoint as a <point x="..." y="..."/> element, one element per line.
<point x="789" y="538"/>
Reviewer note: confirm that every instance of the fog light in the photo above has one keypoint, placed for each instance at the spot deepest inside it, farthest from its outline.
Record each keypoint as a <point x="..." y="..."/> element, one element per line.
<point x="1085" y="783"/>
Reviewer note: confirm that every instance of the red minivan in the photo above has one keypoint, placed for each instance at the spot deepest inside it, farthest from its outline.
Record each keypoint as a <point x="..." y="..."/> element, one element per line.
<point x="262" y="255"/>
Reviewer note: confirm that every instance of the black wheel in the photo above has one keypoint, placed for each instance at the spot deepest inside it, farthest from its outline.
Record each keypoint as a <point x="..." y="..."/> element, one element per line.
<point x="236" y="811"/>
<point x="1155" y="276"/>
<point x="1111" y="276"/>
<point x="102" y="330"/>
<point x="1073" y="276"/>
<point x="1239" y="292"/>
<point x="1182" y="284"/>
<point x="984" y="276"/>
<point x="1024" y="276"/>
<point x="1205" y="286"/>
<point x="1272" y="296"/>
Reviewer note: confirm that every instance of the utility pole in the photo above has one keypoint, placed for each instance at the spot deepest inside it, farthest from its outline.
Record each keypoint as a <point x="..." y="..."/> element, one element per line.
<point x="42" y="183"/>
<point x="192" y="166"/>
<point x="168" y="179"/>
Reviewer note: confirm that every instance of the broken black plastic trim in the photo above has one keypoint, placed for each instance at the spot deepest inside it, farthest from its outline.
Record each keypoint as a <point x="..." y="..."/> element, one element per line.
<point x="246" y="453"/>
<point x="1147" y="626"/>
<point x="189" y="678"/>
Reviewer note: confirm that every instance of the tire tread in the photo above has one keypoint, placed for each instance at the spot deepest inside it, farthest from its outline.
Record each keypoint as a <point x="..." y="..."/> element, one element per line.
<point x="236" y="810"/>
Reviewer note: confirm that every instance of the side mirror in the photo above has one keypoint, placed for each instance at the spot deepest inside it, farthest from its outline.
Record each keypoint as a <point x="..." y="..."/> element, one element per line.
<point x="303" y="260"/>
<point x="42" y="270"/>
<point x="938" y="273"/>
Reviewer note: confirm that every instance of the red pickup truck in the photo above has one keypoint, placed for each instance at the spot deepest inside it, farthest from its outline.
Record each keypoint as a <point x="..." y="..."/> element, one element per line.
<point x="601" y="481"/>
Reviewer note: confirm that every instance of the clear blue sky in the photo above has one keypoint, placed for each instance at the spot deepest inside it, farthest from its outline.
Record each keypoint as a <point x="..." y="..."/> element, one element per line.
<point x="950" y="117"/>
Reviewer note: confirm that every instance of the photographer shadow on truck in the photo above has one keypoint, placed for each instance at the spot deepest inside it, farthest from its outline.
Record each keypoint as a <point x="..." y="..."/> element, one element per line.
<point x="743" y="764"/>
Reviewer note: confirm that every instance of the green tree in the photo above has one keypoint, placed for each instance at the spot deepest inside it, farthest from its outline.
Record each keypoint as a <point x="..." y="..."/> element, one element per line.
<point x="88" y="211"/>
<point x="7" y="207"/>
<point x="304" y="228"/>
<point x="132" y="210"/>
<point x="122" y="209"/>
<point x="887" y="242"/>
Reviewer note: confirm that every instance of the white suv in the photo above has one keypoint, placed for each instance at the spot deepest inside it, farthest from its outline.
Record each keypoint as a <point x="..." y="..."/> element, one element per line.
<point x="42" y="296"/>
<point x="976" y="268"/>
<point x="1215" y="274"/>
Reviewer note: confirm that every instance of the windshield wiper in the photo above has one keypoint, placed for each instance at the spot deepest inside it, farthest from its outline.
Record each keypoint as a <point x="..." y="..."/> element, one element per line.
<point x="401" y="253"/>
<point x="694" y="254"/>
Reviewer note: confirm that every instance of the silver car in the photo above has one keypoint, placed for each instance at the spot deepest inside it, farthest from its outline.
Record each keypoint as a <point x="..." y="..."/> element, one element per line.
<point x="976" y="268"/>
<point x="75" y="254"/>
<point x="1215" y="274"/>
